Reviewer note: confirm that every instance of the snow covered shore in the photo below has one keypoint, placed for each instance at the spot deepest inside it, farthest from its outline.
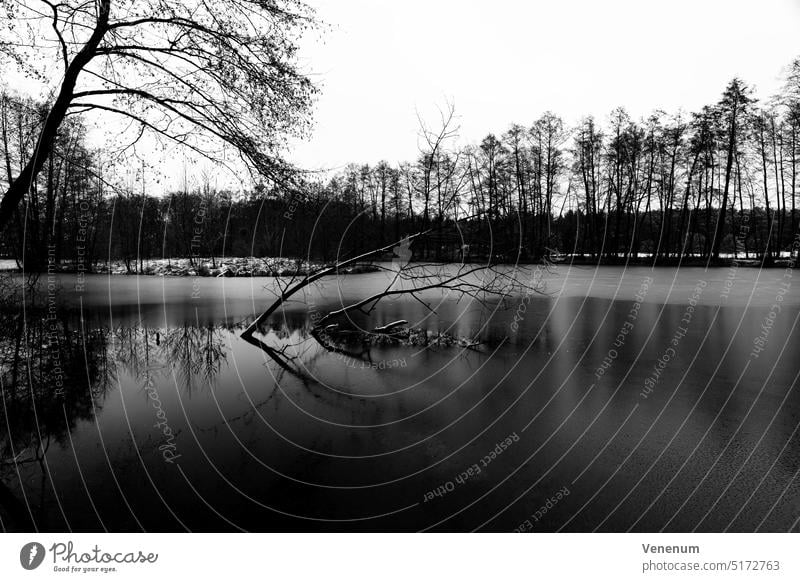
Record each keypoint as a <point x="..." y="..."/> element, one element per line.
<point x="220" y="267"/>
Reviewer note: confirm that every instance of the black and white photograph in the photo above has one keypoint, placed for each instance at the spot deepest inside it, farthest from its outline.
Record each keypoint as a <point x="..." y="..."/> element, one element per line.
<point x="367" y="267"/>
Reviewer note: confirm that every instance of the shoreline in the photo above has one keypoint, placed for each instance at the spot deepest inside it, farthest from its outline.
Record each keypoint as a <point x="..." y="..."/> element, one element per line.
<point x="723" y="262"/>
<point x="284" y="267"/>
<point x="224" y="267"/>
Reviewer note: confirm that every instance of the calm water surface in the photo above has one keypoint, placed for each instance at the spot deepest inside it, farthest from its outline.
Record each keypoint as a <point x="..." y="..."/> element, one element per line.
<point x="638" y="392"/>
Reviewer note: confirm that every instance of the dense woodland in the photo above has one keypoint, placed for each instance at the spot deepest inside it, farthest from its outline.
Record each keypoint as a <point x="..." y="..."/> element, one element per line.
<point x="718" y="182"/>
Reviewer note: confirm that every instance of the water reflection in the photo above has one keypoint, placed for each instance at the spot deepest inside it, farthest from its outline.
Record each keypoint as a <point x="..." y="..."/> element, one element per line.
<point x="52" y="376"/>
<point x="284" y="432"/>
<point x="55" y="374"/>
<point x="192" y="352"/>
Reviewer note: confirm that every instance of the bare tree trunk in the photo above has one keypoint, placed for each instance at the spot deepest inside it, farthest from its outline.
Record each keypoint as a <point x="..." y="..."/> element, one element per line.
<point x="720" y="230"/>
<point x="44" y="144"/>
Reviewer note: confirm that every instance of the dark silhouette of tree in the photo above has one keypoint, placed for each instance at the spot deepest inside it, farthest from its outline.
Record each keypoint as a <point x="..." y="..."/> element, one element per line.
<point x="733" y="112"/>
<point x="210" y="76"/>
<point x="705" y="187"/>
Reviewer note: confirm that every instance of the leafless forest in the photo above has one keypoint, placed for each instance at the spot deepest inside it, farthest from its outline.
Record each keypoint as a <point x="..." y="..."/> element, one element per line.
<point x="221" y="81"/>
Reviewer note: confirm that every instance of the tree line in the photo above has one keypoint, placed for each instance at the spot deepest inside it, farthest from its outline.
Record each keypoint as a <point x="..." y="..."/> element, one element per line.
<point x="669" y="187"/>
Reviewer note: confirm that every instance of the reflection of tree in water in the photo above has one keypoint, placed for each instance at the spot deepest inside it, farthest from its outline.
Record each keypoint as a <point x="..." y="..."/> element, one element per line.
<point x="195" y="351"/>
<point x="192" y="352"/>
<point x="54" y="374"/>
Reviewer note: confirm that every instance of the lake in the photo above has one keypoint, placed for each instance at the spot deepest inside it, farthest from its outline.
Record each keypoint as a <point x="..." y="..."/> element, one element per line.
<point x="619" y="399"/>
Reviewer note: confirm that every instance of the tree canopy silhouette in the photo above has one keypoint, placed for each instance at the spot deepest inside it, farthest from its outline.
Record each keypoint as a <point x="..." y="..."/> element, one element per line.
<point x="216" y="77"/>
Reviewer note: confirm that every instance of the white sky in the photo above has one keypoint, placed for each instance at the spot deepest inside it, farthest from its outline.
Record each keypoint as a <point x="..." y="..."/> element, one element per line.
<point x="505" y="61"/>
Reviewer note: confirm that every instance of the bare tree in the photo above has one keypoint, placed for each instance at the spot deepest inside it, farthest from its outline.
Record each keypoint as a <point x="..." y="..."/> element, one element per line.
<point x="214" y="77"/>
<point x="733" y="107"/>
<point x="432" y="147"/>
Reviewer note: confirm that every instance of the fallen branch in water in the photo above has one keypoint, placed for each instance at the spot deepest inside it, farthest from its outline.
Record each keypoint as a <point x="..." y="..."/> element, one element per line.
<point x="476" y="282"/>
<point x="315" y="276"/>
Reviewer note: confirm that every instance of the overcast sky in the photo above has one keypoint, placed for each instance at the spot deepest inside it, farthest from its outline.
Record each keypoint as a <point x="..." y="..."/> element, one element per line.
<point x="379" y="62"/>
<point x="508" y="61"/>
